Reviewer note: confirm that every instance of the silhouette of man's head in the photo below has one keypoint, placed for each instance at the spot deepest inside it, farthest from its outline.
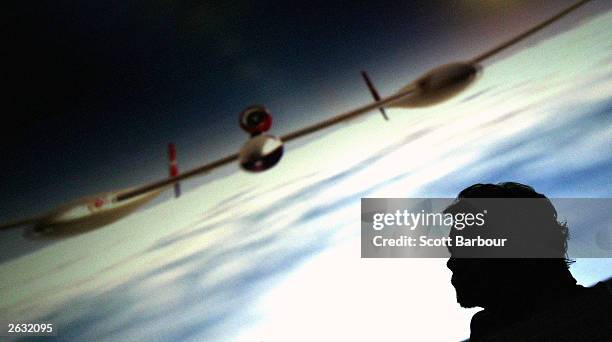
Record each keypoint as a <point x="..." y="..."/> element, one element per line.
<point x="530" y="224"/>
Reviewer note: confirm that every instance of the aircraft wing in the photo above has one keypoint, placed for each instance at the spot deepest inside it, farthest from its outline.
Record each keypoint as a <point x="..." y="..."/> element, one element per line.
<point x="285" y="138"/>
<point x="346" y="116"/>
<point x="17" y="223"/>
<point x="499" y="48"/>
<point x="167" y="181"/>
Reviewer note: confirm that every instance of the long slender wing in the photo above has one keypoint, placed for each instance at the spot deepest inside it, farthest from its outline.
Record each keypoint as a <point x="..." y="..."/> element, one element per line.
<point x="164" y="182"/>
<point x="17" y="223"/>
<point x="288" y="137"/>
<point x="527" y="33"/>
<point x="346" y="116"/>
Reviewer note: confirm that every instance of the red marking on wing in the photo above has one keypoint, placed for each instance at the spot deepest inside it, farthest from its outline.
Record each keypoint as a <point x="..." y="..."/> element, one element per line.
<point x="99" y="202"/>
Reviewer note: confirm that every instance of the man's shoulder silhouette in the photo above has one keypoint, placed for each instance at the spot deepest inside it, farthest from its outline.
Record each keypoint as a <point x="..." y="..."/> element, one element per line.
<point x="585" y="315"/>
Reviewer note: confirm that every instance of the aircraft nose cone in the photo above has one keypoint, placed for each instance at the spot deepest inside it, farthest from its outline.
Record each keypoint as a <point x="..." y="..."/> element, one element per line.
<point x="255" y="120"/>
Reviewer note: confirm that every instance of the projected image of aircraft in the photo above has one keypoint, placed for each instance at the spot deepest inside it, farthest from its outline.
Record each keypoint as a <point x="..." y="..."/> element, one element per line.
<point x="263" y="151"/>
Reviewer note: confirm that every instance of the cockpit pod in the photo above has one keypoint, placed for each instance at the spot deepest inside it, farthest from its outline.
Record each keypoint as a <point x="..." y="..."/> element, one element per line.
<point x="439" y="84"/>
<point x="255" y="120"/>
<point x="260" y="153"/>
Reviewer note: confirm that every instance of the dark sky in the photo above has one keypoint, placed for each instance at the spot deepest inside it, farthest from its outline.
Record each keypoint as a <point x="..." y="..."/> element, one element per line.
<point x="97" y="88"/>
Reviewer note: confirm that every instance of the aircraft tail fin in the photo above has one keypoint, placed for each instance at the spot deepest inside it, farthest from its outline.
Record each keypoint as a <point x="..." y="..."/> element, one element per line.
<point x="375" y="94"/>
<point x="173" y="168"/>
